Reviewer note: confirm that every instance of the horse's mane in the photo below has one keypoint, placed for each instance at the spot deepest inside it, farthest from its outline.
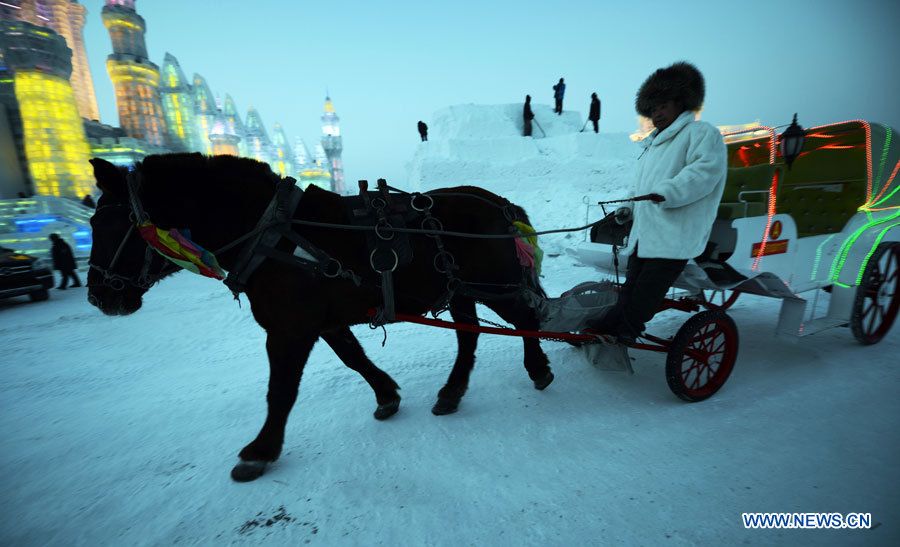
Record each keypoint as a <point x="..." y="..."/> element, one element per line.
<point x="500" y="201"/>
<point x="179" y="186"/>
<point x="186" y="170"/>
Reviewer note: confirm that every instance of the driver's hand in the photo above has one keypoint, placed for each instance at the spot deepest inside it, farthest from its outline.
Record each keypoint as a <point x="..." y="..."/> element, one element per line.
<point x="622" y="215"/>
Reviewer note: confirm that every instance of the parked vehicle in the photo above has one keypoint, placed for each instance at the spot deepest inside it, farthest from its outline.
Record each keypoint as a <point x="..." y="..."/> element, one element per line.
<point x="22" y="274"/>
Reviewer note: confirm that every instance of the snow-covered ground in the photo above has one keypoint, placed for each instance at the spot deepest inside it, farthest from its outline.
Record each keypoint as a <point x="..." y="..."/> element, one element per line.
<point x="122" y="431"/>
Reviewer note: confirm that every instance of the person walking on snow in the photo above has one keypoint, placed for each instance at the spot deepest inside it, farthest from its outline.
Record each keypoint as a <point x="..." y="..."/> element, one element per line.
<point x="594" y="114"/>
<point x="423" y="131"/>
<point x="64" y="261"/>
<point x="559" y="91"/>
<point x="527" y="116"/>
<point x="684" y="164"/>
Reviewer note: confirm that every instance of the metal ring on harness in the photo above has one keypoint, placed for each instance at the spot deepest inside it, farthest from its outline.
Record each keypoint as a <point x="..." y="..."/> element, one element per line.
<point x="332" y="268"/>
<point x="448" y="261"/>
<point x="383" y="223"/>
<point x="412" y="202"/>
<point x="391" y="269"/>
<point x="434" y="224"/>
<point x="378" y="203"/>
<point x="116" y="284"/>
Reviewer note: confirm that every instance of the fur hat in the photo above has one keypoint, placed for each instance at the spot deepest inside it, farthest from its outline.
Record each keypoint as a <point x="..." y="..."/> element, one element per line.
<point x="680" y="82"/>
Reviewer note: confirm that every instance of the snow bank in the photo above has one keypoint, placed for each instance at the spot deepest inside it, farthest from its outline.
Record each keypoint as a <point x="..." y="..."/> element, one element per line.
<point x="554" y="173"/>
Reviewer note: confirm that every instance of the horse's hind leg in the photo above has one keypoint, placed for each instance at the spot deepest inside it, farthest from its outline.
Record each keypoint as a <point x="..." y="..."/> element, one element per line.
<point x="347" y="348"/>
<point x="524" y="317"/>
<point x="463" y="311"/>
<point x="288" y="353"/>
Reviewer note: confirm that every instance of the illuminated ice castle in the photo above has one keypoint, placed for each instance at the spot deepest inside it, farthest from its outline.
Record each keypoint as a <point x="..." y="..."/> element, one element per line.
<point x="50" y="127"/>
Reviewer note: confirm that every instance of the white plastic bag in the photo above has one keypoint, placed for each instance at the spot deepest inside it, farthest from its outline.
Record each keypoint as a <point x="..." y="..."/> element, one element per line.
<point x="572" y="311"/>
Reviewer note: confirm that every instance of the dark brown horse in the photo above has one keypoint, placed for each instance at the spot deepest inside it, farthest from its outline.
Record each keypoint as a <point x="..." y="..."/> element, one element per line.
<point x="219" y="199"/>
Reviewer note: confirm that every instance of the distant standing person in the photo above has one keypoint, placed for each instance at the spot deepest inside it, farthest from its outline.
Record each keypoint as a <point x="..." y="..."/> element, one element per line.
<point x="527" y="115"/>
<point x="594" y="114"/>
<point x="559" y="91"/>
<point x="88" y="201"/>
<point x="423" y="131"/>
<point x="64" y="261"/>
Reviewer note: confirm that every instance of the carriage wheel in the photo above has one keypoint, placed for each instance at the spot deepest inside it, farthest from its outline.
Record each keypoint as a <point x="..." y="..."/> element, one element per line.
<point x="718" y="300"/>
<point x="878" y="297"/>
<point x="702" y="355"/>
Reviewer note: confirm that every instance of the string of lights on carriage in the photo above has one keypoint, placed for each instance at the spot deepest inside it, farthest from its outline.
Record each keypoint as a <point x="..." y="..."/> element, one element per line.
<point x="869" y="207"/>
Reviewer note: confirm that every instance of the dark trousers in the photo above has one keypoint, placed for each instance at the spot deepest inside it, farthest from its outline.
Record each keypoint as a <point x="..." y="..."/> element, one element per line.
<point x="527" y="131"/>
<point x="596" y="125"/>
<point x="424" y="137"/>
<point x="558" y="109"/>
<point x="646" y="284"/>
<point x="66" y="275"/>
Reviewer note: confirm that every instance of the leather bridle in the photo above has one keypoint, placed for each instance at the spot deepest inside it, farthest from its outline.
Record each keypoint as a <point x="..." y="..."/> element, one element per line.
<point x="143" y="279"/>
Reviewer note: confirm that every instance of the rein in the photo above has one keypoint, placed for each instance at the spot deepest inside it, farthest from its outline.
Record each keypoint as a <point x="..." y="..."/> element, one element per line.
<point x="275" y="223"/>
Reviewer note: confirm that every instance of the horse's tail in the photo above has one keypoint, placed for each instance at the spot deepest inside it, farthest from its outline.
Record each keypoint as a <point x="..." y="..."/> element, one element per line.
<point x="523" y="224"/>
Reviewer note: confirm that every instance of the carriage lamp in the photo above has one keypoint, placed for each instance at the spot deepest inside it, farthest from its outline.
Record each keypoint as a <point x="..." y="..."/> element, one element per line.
<point x="792" y="141"/>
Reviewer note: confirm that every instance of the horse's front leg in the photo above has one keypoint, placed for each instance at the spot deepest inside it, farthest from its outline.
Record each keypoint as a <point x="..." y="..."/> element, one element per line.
<point x="348" y="349"/>
<point x="288" y="352"/>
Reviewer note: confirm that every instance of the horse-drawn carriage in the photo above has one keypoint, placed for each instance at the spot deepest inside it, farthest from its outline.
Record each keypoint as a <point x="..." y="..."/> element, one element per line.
<point x="312" y="263"/>
<point x="830" y="222"/>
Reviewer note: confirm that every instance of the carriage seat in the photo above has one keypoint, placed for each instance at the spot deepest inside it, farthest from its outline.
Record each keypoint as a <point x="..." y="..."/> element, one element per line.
<point x="821" y="207"/>
<point x="746" y="192"/>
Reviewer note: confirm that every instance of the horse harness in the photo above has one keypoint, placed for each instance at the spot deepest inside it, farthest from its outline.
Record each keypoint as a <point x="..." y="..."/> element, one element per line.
<point x="388" y="249"/>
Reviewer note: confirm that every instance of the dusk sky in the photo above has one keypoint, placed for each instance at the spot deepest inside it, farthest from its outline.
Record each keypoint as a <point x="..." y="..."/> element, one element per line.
<point x="389" y="64"/>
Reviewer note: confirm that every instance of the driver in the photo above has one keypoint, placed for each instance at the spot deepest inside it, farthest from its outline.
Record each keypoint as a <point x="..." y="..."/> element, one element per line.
<point x="684" y="163"/>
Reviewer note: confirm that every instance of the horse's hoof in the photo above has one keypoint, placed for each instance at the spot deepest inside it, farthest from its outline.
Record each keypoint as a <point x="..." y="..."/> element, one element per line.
<point x="247" y="471"/>
<point x="445" y="406"/>
<point x="541" y="383"/>
<point x="386" y="410"/>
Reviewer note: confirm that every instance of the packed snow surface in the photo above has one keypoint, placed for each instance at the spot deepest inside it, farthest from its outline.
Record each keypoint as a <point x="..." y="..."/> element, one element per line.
<point x="122" y="430"/>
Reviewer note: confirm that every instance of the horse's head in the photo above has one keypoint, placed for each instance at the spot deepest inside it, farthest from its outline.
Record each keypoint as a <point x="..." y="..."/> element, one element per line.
<point x="122" y="265"/>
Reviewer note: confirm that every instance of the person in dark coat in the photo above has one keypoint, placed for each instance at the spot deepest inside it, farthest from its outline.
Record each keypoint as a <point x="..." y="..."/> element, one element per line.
<point x="88" y="201"/>
<point x="527" y="116"/>
<point x="423" y="131"/>
<point x="594" y="114"/>
<point x="64" y="261"/>
<point x="559" y="91"/>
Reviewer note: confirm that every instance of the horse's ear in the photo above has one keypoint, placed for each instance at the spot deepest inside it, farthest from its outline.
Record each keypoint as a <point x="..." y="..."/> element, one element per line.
<point x="109" y="178"/>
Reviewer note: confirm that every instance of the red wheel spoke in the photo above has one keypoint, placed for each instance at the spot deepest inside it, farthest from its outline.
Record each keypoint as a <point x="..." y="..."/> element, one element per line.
<point x="868" y="308"/>
<point x="871" y="326"/>
<point x="711" y="336"/>
<point x="687" y="371"/>
<point x="891" y="277"/>
<point x="696" y="383"/>
<point x="686" y="374"/>
<point x="719" y="348"/>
